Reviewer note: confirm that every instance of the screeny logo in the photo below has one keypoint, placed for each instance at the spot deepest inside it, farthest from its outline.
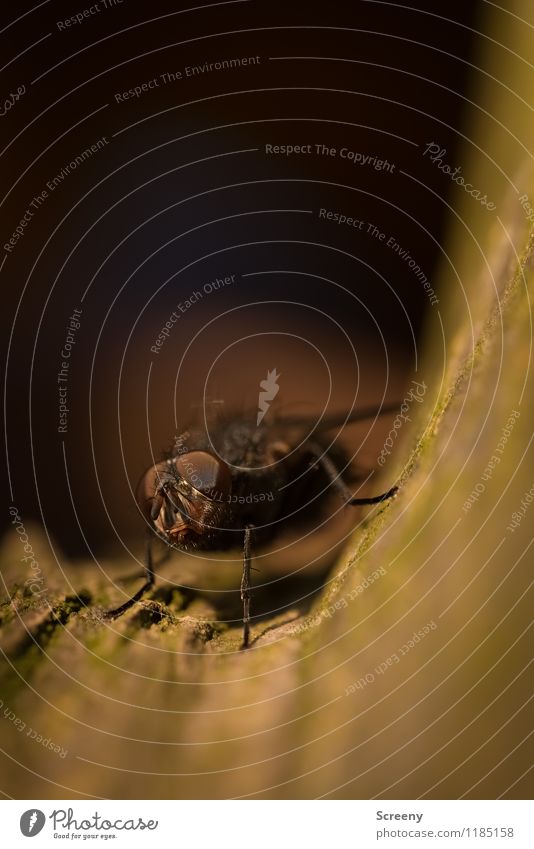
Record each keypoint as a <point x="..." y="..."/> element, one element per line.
<point x="31" y="822"/>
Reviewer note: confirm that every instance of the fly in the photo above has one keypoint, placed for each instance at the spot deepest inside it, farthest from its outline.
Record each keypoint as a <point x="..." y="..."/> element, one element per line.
<point x="238" y="484"/>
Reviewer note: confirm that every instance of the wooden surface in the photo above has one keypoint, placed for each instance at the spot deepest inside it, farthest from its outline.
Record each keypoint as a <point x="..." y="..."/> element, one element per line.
<point x="339" y="699"/>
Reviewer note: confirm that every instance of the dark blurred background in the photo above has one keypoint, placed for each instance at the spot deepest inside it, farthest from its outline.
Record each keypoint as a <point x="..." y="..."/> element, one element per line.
<point x="182" y="193"/>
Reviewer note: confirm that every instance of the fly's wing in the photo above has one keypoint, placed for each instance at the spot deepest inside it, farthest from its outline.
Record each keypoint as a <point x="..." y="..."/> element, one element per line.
<point x="236" y="436"/>
<point x="289" y="437"/>
<point x="337" y="419"/>
<point x="201" y="424"/>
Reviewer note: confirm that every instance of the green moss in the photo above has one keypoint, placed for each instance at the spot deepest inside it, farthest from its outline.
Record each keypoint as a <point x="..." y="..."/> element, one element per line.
<point x="30" y="650"/>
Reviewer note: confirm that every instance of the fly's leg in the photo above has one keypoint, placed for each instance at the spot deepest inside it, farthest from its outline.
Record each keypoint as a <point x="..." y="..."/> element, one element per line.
<point x="323" y="460"/>
<point x="149" y="573"/>
<point x="245" y="584"/>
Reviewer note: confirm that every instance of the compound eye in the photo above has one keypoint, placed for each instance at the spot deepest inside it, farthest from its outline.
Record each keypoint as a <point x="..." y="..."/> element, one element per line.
<point x="149" y="484"/>
<point x="206" y="473"/>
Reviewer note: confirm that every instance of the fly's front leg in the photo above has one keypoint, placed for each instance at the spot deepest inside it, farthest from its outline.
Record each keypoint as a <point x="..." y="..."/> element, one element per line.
<point x="149" y="573"/>
<point x="245" y="583"/>
<point x="323" y="460"/>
